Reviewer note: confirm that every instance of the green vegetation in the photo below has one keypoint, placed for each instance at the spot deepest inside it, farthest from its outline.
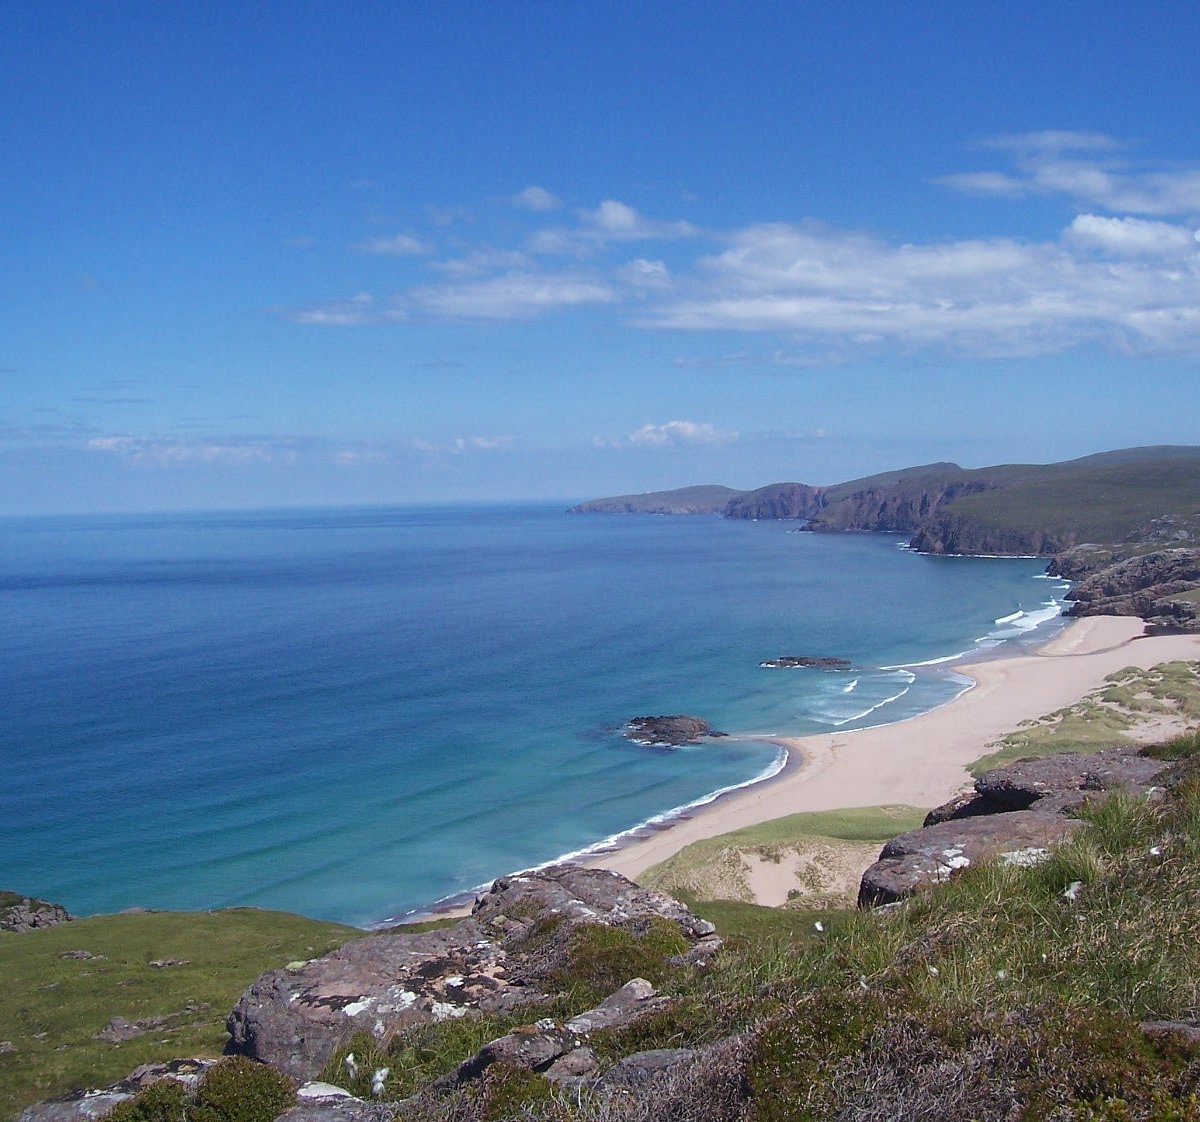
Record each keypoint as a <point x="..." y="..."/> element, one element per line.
<point x="235" y="1090"/>
<point x="55" y="1001"/>
<point x="1105" y="717"/>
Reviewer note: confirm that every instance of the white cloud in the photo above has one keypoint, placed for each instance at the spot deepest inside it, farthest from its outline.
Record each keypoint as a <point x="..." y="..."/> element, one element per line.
<point x="398" y="245"/>
<point x="641" y="273"/>
<point x="611" y="221"/>
<point x="1133" y="237"/>
<point x="513" y="295"/>
<point x="459" y="444"/>
<point x="536" y="199"/>
<point x="672" y="433"/>
<point x="359" y="309"/>
<point x="994" y="296"/>
<point x="173" y="452"/>
<point x="482" y="261"/>
<point x="1089" y="168"/>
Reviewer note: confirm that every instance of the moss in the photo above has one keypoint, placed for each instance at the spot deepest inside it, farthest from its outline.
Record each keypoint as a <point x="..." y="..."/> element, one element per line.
<point x="239" y="1090"/>
<point x="599" y="959"/>
<point x="235" y="1090"/>
<point x="506" y="1092"/>
<point x="164" y="1101"/>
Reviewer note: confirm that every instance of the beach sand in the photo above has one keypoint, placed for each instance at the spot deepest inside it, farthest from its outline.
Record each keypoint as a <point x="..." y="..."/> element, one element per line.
<point x="921" y="761"/>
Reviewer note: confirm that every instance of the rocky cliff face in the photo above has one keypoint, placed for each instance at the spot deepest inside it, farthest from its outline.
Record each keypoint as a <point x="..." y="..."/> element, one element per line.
<point x="949" y="531"/>
<point x="27" y="913"/>
<point x="779" y="500"/>
<point x="1162" y="587"/>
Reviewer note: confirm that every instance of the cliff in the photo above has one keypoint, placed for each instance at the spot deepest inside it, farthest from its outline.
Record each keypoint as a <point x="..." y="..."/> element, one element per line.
<point x="1134" y="495"/>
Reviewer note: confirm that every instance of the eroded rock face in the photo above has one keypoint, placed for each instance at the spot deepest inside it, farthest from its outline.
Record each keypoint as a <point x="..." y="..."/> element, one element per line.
<point x="668" y="731"/>
<point x="27" y="913"/>
<point x="1158" y="587"/>
<point x="1015" y="812"/>
<point x="294" y="1019"/>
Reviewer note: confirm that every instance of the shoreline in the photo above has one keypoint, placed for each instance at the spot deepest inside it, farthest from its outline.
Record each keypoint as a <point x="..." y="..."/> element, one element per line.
<point x="920" y="760"/>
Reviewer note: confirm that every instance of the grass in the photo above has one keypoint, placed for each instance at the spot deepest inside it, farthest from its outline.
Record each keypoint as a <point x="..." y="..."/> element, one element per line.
<point x="53" y="1005"/>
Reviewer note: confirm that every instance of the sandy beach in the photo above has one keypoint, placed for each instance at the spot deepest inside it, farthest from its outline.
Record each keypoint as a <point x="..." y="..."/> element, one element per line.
<point x="922" y="761"/>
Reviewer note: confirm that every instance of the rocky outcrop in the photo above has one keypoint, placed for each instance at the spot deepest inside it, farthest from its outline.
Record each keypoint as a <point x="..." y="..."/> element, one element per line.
<point x="668" y="732"/>
<point x="296" y="1018"/>
<point x="793" y="662"/>
<point x="27" y="913"/>
<point x="88" y="1106"/>
<point x="1161" y="587"/>
<point x="539" y="1046"/>
<point x="1015" y="813"/>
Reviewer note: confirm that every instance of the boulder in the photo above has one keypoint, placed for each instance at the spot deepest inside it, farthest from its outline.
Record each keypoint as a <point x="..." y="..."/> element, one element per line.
<point x="296" y="1018"/>
<point x="1015" y="812"/>
<point x="932" y="854"/>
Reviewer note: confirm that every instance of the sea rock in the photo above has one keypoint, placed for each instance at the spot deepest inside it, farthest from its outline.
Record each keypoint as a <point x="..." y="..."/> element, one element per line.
<point x="28" y="913"/>
<point x="668" y="731"/>
<point x="792" y="662"/>
<point x="1016" y="812"/>
<point x="296" y="1018"/>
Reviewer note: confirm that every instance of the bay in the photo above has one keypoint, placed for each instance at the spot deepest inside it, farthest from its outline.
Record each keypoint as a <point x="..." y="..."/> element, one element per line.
<point x="352" y="713"/>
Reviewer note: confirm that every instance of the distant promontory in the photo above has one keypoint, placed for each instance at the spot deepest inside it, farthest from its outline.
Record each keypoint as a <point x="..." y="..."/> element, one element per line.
<point x="1008" y="509"/>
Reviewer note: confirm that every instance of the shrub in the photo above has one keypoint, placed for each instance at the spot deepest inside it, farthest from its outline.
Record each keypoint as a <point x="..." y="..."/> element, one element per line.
<point x="164" y="1101"/>
<point x="239" y="1090"/>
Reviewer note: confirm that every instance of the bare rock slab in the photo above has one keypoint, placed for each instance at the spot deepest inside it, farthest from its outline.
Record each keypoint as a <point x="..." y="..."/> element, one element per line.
<point x="295" y="1019"/>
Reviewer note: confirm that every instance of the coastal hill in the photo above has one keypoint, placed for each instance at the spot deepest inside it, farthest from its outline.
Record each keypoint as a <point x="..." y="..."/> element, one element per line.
<point x="707" y="498"/>
<point x="1044" y="509"/>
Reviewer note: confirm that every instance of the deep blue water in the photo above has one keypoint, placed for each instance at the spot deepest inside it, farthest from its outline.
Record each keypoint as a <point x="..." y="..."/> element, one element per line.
<point x="352" y="713"/>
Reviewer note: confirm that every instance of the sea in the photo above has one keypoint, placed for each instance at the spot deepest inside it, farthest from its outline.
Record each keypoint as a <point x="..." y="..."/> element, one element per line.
<point x="356" y="713"/>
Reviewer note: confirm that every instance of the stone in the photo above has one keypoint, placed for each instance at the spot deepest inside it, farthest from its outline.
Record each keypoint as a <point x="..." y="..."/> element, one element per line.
<point x="574" y="1066"/>
<point x="641" y="1068"/>
<point x="118" y="1029"/>
<point x="295" y="1019"/>
<point x="930" y="855"/>
<point x="540" y="1046"/>
<point x="1015" y="813"/>
<point x="27" y="913"/>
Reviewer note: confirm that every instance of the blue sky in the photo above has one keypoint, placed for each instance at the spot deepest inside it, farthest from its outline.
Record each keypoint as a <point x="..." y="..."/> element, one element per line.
<point x="309" y="253"/>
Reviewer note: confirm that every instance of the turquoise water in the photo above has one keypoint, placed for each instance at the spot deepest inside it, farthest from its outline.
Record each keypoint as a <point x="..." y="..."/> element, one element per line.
<point x="353" y="713"/>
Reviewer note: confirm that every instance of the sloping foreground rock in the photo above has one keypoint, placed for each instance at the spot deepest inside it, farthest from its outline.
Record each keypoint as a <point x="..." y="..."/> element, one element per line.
<point x="1015" y="813"/>
<point x="87" y="1106"/>
<point x="294" y="1019"/>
